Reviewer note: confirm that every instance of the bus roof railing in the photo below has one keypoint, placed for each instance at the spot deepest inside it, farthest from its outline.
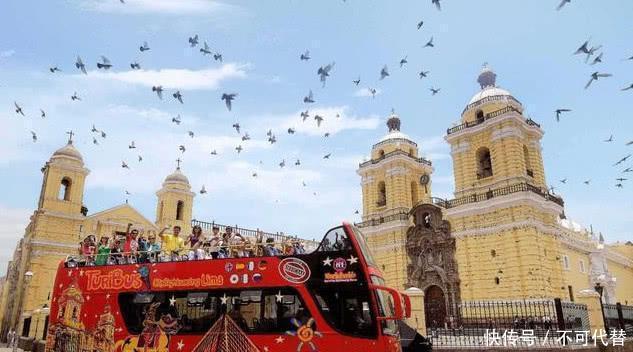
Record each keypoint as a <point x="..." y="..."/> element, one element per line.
<point x="253" y="234"/>
<point x="138" y="257"/>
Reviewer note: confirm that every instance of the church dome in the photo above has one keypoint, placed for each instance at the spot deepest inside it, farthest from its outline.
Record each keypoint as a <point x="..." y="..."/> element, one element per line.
<point x="487" y="80"/>
<point x="68" y="151"/>
<point x="177" y="177"/>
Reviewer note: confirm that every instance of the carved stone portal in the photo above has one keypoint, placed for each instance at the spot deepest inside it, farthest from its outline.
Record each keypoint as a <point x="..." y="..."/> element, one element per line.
<point x="433" y="268"/>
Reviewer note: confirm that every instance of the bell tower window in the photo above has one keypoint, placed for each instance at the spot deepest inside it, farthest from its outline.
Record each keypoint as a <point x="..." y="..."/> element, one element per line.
<point x="382" y="194"/>
<point x="484" y="163"/>
<point x="479" y="116"/>
<point x="179" y="209"/>
<point x="528" y="164"/>
<point x="64" y="189"/>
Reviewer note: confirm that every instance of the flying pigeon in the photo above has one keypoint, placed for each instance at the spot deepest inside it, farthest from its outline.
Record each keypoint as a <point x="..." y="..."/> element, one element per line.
<point x="384" y="72"/>
<point x="42" y="113"/>
<point x="237" y="127"/>
<point x="193" y="41"/>
<point x="327" y="156"/>
<point x="562" y="3"/>
<point x="597" y="59"/>
<point x="434" y="90"/>
<point x="80" y="65"/>
<point x="420" y="24"/>
<point x="298" y="162"/>
<point x="228" y="99"/>
<point x="217" y="57"/>
<point x="246" y="137"/>
<point x="239" y="149"/>
<point x="178" y="96"/>
<point x="103" y="134"/>
<point x="124" y="165"/>
<point x="282" y="163"/>
<point x="214" y="152"/>
<point x="305" y="56"/>
<point x="291" y="131"/>
<point x="559" y="111"/>
<point x="610" y="139"/>
<point x="423" y="74"/>
<point x="144" y="47"/>
<point x="622" y="160"/>
<point x="104" y="64"/>
<point x="272" y="139"/>
<point x="182" y="148"/>
<point x="324" y="72"/>
<point x="132" y="145"/>
<point x="627" y="88"/>
<point x="356" y="81"/>
<point x="205" y="50"/>
<point x="54" y="69"/>
<point x="135" y="65"/>
<point x="437" y="4"/>
<point x="372" y="91"/>
<point x="429" y="44"/>
<point x="176" y="119"/>
<point x="403" y="61"/>
<point x="203" y="190"/>
<point x="140" y="158"/>
<point x="34" y="136"/>
<point x="309" y="99"/>
<point x="94" y="141"/>
<point x="595" y="76"/>
<point x="74" y="97"/>
<point x="18" y="109"/>
<point x="190" y="133"/>
<point x="318" y="119"/>
<point x="304" y="115"/>
<point x="159" y="91"/>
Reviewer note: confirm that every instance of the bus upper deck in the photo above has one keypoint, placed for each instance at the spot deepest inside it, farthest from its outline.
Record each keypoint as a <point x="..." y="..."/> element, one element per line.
<point x="329" y="299"/>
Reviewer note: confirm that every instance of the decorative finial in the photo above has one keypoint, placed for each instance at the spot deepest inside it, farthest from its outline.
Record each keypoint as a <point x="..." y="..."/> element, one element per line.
<point x="601" y="238"/>
<point x="178" y="161"/>
<point x="487" y="78"/>
<point x="70" y="136"/>
<point x="393" y="123"/>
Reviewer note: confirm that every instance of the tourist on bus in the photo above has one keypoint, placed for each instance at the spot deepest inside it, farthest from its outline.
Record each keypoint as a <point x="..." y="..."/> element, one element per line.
<point x="131" y="244"/>
<point x="87" y="249"/>
<point x="194" y="242"/>
<point x="288" y="248"/>
<point x="172" y="244"/>
<point x="212" y="245"/>
<point x="103" y="251"/>
<point x="115" y="250"/>
<point x="152" y="248"/>
<point x="236" y="243"/>
<point x="270" y="249"/>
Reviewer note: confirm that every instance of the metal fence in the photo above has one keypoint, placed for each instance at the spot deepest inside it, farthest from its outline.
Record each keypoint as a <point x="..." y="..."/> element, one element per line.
<point x="618" y="317"/>
<point x="521" y="323"/>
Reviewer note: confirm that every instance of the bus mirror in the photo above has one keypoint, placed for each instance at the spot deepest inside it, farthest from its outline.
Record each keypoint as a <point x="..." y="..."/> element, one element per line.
<point x="392" y="304"/>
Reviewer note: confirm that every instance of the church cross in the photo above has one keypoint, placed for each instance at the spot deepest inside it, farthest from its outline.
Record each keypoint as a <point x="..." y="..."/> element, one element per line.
<point x="178" y="161"/>
<point x="70" y="136"/>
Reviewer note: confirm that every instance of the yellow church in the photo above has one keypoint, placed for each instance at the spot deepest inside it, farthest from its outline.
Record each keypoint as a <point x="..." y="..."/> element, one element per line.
<point x="504" y="236"/>
<point x="58" y="225"/>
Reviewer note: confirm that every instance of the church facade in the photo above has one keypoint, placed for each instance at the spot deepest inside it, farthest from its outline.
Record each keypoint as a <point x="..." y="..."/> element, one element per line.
<point x="504" y="236"/>
<point x="59" y="223"/>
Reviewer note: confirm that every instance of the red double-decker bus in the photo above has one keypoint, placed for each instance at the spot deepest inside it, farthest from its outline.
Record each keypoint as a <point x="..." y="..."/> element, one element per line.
<point x="332" y="299"/>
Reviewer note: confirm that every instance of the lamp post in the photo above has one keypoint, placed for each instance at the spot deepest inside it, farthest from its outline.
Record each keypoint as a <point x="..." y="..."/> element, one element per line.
<point x="27" y="279"/>
<point x="599" y="288"/>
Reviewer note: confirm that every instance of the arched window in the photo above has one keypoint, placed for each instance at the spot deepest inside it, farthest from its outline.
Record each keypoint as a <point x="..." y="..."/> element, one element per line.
<point x="180" y="207"/>
<point x="381" y="153"/>
<point x="64" y="189"/>
<point x="382" y="194"/>
<point x="497" y="280"/>
<point x="484" y="163"/>
<point x="528" y="164"/>
<point x="479" y="115"/>
<point x="414" y="193"/>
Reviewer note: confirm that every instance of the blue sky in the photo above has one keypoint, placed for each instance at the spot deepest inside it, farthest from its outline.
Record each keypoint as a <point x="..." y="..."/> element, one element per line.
<point x="528" y="44"/>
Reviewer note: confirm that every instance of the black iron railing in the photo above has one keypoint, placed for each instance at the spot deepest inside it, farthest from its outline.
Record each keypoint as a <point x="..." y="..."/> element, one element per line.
<point x="488" y="116"/>
<point x="619" y="317"/>
<point x="381" y="220"/>
<point x="498" y="192"/>
<point x="395" y="152"/>
<point x="473" y="324"/>
<point x="279" y="237"/>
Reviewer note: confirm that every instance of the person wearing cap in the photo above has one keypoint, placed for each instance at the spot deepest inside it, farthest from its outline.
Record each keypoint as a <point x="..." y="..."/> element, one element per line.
<point x="270" y="249"/>
<point x="172" y="244"/>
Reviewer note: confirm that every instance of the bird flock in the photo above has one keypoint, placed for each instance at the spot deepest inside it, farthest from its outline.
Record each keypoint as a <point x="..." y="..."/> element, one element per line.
<point x="593" y="56"/>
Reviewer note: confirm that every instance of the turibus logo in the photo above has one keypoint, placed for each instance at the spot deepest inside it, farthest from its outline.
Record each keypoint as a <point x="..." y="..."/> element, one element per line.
<point x="294" y="270"/>
<point x="114" y="280"/>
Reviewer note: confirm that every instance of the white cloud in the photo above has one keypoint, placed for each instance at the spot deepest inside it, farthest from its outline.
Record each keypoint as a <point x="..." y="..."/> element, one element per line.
<point x="167" y="7"/>
<point x="12" y="224"/>
<point x="366" y="92"/>
<point x="176" y="78"/>
<point x="7" y="53"/>
<point x="330" y="124"/>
